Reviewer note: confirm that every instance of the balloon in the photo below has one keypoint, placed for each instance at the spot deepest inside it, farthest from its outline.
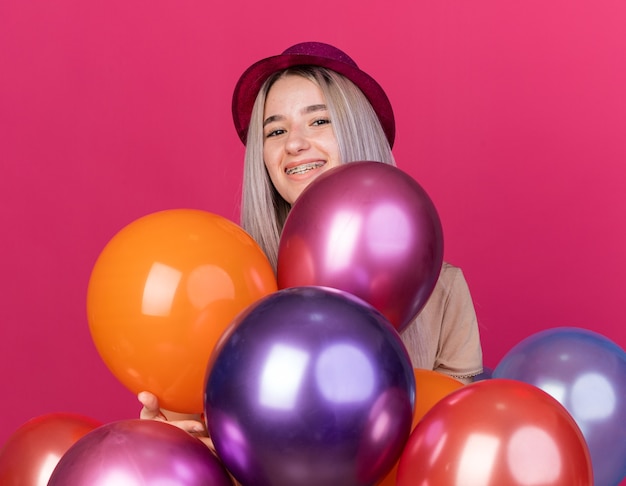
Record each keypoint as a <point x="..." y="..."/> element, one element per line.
<point x="162" y="292"/>
<point x="309" y="386"/>
<point x="586" y="373"/>
<point x="369" y="229"/>
<point x="136" y="453"/>
<point x="487" y="374"/>
<point x="33" y="450"/>
<point x="430" y="388"/>
<point x="496" y="432"/>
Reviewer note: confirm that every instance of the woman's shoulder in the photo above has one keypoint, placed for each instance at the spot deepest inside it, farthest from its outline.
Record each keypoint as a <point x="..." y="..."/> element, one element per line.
<point x="451" y="278"/>
<point x="449" y="271"/>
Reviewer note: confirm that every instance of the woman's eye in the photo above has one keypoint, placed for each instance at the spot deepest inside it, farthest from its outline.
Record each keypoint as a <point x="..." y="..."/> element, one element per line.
<point x="274" y="133"/>
<point x="321" y="121"/>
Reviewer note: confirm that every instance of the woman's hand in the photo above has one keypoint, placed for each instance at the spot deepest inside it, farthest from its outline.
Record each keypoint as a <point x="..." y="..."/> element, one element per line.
<point x="189" y="423"/>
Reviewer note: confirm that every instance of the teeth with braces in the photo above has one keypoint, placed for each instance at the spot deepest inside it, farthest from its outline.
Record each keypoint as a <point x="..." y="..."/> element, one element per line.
<point x="301" y="169"/>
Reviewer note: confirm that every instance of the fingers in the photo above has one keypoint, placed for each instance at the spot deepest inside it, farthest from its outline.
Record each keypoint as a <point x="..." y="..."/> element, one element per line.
<point x="189" y="423"/>
<point x="208" y="442"/>
<point x="192" y="426"/>
<point x="150" y="409"/>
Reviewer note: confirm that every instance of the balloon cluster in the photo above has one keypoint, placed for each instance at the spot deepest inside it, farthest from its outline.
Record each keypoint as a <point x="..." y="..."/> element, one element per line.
<point x="303" y="379"/>
<point x="312" y="384"/>
<point x="553" y="411"/>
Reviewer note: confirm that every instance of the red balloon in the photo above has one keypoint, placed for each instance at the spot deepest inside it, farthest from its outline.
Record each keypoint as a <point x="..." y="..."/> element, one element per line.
<point x="136" y="453"/>
<point x="369" y="229"/>
<point x="33" y="451"/>
<point x="496" y="432"/>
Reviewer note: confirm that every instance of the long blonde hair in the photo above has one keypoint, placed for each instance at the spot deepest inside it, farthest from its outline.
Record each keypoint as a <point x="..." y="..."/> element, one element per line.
<point x="359" y="134"/>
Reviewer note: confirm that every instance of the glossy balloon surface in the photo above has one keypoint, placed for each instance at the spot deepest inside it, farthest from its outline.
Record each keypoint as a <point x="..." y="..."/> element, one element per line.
<point x="586" y="373"/>
<point x="32" y="452"/>
<point x="162" y="292"/>
<point x="496" y="432"/>
<point x="430" y="388"/>
<point x="138" y="453"/>
<point x="310" y="386"/>
<point x="369" y="229"/>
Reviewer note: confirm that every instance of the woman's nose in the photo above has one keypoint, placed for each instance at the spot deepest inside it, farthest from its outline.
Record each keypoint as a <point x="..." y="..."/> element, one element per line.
<point x="296" y="142"/>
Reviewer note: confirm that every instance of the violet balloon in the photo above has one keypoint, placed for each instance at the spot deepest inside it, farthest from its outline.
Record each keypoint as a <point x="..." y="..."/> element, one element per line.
<point x="586" y="373"/>
<point x="136" y="453"/>
<point x="309" y="386"/>
<point x="369" y="229"/>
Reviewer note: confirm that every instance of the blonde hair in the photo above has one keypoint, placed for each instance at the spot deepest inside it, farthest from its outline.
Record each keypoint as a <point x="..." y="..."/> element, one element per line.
<point x="359" y="134"/>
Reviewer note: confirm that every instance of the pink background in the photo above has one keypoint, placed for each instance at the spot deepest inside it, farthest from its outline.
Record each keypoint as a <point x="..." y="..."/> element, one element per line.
<point x="511" y="114"/>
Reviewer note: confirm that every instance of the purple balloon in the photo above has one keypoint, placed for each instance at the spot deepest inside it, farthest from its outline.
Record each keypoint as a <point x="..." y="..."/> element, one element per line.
<point x="369" y="229"/>
<point x="586" y="373"/>
<point x="136" y="453"/>
<point x="309" y="386"/>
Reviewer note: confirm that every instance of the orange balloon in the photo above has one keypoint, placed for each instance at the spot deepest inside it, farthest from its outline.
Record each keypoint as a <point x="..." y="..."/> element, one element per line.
<point x="33" y="450"/>
<point x="161" y="294"/>
<point x="430" y="387"/>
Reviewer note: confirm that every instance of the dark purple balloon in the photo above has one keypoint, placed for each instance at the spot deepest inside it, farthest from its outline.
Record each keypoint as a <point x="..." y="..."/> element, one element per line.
<point x="137" y="453"/>
<point x="309" y="386"/>
<point x="586" y="373"/>
<point x="369" y="229"/>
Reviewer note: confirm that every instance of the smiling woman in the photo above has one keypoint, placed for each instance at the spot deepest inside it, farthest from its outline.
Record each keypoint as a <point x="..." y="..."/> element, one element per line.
<point x="305" y="111"/>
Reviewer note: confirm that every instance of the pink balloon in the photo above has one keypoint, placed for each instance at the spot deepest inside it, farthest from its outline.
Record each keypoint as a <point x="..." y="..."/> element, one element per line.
<point x="369" y="229"/>
<point x="139" y="452"/>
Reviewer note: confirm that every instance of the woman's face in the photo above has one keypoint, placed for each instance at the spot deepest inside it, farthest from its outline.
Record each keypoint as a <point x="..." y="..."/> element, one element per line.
<point x="299" y="143"/>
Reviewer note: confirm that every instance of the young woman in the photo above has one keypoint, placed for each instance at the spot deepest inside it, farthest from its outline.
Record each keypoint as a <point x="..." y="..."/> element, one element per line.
<point x="308" y="110"/>
<point x="300" y="114"/>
